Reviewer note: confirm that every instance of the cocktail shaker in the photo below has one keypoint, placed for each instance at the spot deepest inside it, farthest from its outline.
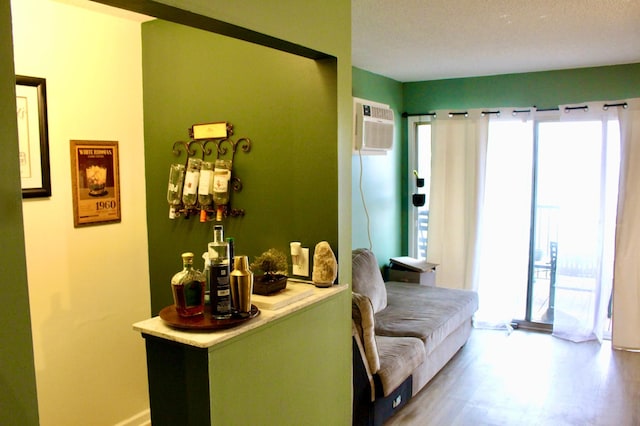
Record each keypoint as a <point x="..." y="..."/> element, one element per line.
<point x="241" y="285"/>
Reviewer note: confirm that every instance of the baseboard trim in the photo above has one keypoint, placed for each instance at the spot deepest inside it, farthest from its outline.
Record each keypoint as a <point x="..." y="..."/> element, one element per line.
<point x="143" y="418"/>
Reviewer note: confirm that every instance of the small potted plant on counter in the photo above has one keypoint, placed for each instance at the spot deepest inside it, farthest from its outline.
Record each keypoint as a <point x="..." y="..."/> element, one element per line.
<point x="270" y="269"/>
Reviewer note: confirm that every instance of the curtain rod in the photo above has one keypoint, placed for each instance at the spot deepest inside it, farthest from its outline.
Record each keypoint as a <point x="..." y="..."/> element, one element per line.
<point x="584" y="108"/>
<point x="406" y="114"/>
<point x="518" y="111"/>
<point x="624" y="105"/>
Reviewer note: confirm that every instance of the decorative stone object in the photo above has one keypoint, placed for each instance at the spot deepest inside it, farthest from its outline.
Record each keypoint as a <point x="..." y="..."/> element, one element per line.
<point x="325" y="265"/>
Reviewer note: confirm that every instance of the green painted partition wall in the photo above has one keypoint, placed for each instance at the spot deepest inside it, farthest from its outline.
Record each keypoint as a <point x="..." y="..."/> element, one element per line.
<point x="18" y="400"/>
<point x="288" y="107"/>
<point x="285" y="104"/>
<point x="270" y="385"/>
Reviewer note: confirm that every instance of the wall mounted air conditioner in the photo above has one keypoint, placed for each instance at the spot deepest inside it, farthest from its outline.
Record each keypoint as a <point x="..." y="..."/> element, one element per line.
<point x="373" y="127"/>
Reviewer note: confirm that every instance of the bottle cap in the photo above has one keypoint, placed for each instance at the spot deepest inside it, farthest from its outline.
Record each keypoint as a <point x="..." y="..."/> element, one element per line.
<point x="218" y="234"/>
<point x="187" y="256"/>
<point x="240" y="263"/>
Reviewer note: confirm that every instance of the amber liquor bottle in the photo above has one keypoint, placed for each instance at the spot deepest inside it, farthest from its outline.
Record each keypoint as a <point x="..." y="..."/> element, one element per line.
<point x="188" y="288"/>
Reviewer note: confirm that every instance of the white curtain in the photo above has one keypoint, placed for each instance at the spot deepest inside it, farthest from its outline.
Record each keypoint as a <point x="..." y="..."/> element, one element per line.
<point x="457" y="183"/>
<point x="626" y="296"/>
<point x="586" y="202"/>
<point x="506" y="221"/>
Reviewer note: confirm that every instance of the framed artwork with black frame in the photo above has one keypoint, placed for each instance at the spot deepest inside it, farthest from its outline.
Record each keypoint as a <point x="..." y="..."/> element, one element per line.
<point x="33" y="137"/>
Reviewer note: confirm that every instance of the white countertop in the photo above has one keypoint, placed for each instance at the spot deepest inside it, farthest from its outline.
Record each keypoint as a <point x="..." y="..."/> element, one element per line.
<point x="204" y="339"/>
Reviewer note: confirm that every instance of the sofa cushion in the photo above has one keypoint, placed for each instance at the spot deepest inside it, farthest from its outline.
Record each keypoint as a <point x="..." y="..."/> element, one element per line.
<point x="362" y="316"/>
<point x="399" y="356"/>
<point x="428" y="313"/>
<point x="367" y="278"/>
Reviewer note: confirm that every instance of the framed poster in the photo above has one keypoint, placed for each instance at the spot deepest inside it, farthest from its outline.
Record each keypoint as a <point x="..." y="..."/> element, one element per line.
<point x="33" y="139"/>
<point x="95" y="182"/>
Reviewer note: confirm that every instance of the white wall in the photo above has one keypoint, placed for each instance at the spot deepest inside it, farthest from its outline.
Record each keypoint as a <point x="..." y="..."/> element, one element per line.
<point x="87" y="285"/>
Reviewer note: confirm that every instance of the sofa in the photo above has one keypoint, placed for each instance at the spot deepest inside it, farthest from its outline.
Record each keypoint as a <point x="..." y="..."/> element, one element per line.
<point x="402" y="335"/>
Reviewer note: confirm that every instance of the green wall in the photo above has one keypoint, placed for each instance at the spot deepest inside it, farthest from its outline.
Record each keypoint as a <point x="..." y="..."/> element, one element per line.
<point x="284" y="103"/>
<point x="18" y="400"/>
<point x="303" y="362"/>
<point x="542" y="89"/>
<point x="384" y="181"/>
<point x="289" y="107"/>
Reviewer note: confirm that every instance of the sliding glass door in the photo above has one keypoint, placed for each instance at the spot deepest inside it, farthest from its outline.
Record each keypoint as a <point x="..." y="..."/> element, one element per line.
<point x="575" y="195"/>
<point x="548" y="224"/>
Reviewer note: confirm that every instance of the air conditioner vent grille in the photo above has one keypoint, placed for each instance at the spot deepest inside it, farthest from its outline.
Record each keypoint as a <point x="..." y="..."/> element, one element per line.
<point x="383" y="113"/>
<point x="378" y="135"/>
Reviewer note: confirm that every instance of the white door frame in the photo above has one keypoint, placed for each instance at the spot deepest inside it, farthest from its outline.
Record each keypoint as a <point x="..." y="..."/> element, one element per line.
<point x="412" y="164"/>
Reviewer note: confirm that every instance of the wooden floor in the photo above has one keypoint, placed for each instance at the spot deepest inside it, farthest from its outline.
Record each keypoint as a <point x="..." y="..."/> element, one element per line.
<point x="529" y="378"/>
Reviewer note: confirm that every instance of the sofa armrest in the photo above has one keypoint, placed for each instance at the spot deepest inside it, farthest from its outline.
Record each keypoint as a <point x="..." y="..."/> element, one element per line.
<point x="362" y="377"/>
<point x="364" y="323"/>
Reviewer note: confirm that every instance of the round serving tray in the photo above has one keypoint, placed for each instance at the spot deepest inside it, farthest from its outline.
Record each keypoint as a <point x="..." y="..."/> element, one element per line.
<point x="204" y="322"/>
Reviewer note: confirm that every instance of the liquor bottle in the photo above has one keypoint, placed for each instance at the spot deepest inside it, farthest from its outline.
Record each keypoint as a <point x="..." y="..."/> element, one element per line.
<point x="191" y="179"/>
<point x="174" y="188"/>
<point x="221" y="178"/>
<point x="188" y="288"/>
<point x="219" y="275"/>
<point x="205" y="189"/>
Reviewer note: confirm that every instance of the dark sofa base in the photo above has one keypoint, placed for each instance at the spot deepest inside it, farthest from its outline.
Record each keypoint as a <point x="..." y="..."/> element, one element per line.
<point x="364" y="410"/>
<point x="375" y="413"/>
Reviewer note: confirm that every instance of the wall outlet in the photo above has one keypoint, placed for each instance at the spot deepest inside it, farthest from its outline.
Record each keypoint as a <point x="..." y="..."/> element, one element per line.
<point x="302" y="268"/>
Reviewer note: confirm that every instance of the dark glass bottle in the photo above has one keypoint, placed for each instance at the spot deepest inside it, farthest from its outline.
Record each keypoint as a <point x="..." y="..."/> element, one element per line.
<point x="219" y="275"/>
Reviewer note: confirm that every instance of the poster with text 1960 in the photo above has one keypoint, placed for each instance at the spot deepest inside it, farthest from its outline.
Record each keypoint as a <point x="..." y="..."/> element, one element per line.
<point x="96" y="182"/>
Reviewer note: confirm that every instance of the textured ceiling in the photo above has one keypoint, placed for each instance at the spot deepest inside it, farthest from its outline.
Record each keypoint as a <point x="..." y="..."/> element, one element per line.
<point x="416" y="40"/>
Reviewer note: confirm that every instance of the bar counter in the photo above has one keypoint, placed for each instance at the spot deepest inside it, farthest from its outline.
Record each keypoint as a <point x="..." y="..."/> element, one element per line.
<point x="280" y="367"/>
